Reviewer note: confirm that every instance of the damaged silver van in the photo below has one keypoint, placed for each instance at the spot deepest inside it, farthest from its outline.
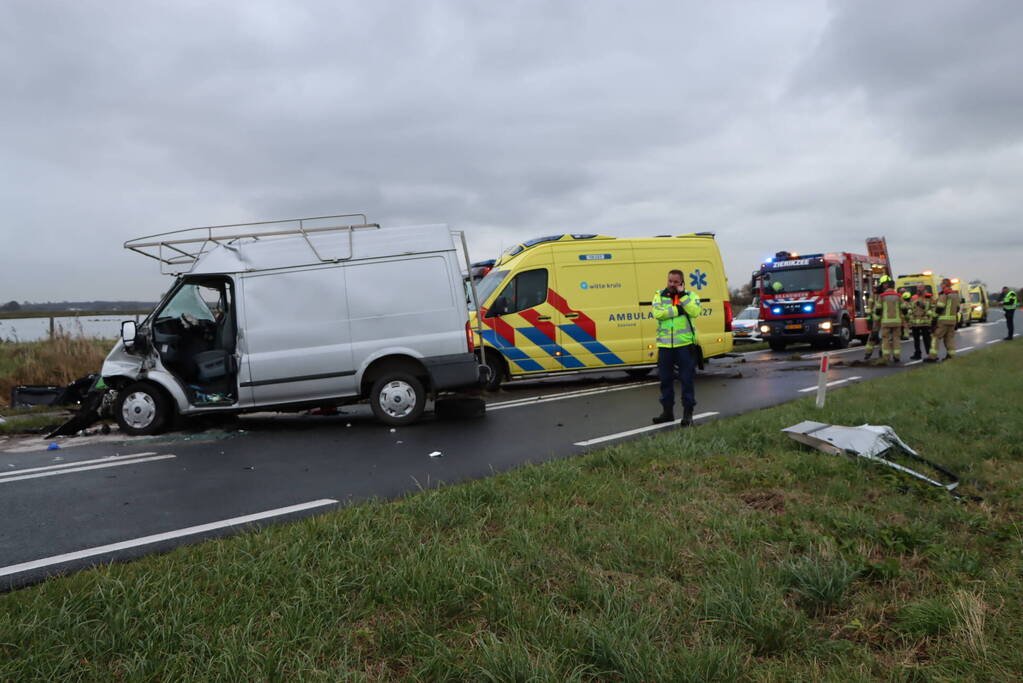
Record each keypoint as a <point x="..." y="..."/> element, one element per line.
<point x="285" y="315"/>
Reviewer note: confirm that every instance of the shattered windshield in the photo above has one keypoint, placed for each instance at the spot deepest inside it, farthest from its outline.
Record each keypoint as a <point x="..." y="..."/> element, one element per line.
<point x="190" y="299"/>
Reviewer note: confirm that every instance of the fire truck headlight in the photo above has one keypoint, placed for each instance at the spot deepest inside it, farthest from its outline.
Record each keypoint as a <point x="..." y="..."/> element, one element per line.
<point x="765" y="329"/>
<point x="826" y="325"/>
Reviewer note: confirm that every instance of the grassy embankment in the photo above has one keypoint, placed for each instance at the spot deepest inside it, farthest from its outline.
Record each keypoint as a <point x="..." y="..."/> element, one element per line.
<point x="724" y="552"/>
<point x="56" y="361"/>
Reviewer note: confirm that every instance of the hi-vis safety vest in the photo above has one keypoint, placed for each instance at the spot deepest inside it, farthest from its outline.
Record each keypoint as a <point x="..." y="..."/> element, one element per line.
<point x="890" y="308"/>
<point x="673" y="328"/>
<point x="921" y="311"/>
<point x="1010" y="302"/>
<point x="947" y="306"/>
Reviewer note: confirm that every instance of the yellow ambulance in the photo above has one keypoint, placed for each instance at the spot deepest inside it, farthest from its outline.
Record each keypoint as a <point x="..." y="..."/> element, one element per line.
<point x="565" y="303"/>
<point x="928" y="279"/>
<point x="978" y="303"/>
<point x="965" y="320"/>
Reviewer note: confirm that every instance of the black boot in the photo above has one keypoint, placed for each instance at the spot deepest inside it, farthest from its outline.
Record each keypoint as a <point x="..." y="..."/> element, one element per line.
<point x="665" y="416"/>
<point x="687" y="418"/>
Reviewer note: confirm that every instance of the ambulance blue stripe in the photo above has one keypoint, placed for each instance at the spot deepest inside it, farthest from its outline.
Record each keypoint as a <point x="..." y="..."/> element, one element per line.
<point x="512" y="353"/>
<point x="590" y="344"/>
<point x="556" y="352"/>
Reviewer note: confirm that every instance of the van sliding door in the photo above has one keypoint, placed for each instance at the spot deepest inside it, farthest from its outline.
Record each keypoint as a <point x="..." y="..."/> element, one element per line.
<point x="297" y="336"/>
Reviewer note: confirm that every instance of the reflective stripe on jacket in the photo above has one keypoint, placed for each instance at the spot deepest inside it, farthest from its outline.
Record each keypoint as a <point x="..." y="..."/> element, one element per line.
<point x="947" y="306"/>
<point x="673" y="329"/>
<point x="890" y="308"/>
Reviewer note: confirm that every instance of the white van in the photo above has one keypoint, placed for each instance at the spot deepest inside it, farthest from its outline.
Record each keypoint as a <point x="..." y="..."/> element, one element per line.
<point x="292" y="314"/>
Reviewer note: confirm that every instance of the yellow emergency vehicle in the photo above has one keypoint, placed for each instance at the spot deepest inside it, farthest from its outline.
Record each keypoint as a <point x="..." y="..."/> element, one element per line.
<point x="978" y="303"/>
<point x="567" y="303"/>
<point x="932" y="283"/>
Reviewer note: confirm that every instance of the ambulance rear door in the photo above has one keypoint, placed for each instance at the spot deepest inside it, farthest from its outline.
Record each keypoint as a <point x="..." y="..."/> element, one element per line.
<point x="597" y="313"/>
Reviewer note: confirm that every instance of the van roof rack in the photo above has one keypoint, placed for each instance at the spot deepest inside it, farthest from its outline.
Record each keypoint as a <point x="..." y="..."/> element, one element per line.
<point x="179" y="250"/>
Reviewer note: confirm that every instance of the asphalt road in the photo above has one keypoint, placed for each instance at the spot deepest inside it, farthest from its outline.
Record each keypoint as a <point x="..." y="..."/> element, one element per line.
<point x="104" y="499"/>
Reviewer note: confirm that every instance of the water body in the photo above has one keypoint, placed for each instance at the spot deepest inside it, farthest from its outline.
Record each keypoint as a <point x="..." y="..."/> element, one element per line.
<point x="34" y="329"/>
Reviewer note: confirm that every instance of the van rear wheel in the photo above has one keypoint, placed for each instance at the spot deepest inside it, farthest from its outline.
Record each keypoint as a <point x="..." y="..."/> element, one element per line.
<point x="397" y="398"/>
<point x="142" y="409"/>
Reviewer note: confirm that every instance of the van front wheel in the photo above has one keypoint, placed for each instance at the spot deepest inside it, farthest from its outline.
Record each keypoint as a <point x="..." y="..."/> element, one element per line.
<point x="142" y="409"/>
<point x="397" y="398"/>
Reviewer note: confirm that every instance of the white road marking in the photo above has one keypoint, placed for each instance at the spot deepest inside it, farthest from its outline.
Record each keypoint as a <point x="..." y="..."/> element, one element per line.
<point x="108" y="458"/>
<point x="965" y="348"/>
<point x="914" y="362"/>
<point x="993" y="341"/>
<point x="831" y="384"/>
<point x="110" y="463"/>
<point x="561" y="397"/>
<point x="640" y="430"/>
<point x="156" y="538"/>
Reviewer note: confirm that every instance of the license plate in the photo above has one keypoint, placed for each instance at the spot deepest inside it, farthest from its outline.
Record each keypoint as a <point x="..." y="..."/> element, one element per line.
<point x="742" y="334"/>
<point x="794" y="326"/>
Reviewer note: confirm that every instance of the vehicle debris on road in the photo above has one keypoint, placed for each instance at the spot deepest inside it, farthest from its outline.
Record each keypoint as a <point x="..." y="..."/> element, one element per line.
<point x="876" y="443"/>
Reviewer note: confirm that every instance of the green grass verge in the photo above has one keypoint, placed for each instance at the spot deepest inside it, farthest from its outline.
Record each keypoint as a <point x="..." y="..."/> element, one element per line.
<point x="726" y="552"/>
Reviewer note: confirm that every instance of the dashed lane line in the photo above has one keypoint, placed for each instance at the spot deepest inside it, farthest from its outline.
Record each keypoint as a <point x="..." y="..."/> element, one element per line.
<point x="534" y="400"/>
<point x="640" y="430"/>
<point x="156" y="538"/>
<point x="115" y="463"/>
<point x="78" y="463"/>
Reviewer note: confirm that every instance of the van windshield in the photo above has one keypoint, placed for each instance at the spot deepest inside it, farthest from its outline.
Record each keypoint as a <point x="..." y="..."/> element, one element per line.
<point x="191" y="299"/>
<point x="749" y="314"/>
<point x="975" y="297"/>
<point x="794" y="280"/>
<point x="489" y="284"/>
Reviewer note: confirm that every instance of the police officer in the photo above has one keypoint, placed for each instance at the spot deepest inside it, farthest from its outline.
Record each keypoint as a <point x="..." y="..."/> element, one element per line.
<point x="675" y="310"/>
<point x="891" y="311"/>
<point x="947" y="309"/>
<point x="920" y="314"/>
<point x="1010" y="302"/>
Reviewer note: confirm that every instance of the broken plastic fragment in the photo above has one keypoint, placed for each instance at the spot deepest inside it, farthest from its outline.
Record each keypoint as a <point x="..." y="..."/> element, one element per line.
<point x="435" y="454"/>
<point x="871" y="442"/>
<point x="54" y="446"/>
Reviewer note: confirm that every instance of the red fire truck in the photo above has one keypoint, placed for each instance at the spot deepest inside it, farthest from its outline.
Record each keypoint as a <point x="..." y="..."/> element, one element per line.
<point x="818" y="298"/>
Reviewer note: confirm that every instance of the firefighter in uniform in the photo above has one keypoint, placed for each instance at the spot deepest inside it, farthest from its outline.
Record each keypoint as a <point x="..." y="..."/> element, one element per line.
<point x="1010" y="302"/>
<point x="907" y="300"/>
<point x="946" y="307"/>
<point x="920" y="313"/>
<point x="891" y="311"/>
<point x="675" y="309"/>
<point x="873" y="321"/>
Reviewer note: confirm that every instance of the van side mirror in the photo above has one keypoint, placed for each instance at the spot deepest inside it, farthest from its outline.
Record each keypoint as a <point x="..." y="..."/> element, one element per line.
<point x="500" y="307"/>
<point x="129" y="331"/>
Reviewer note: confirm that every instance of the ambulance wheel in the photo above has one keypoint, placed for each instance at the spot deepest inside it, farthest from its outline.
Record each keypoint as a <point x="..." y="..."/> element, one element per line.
<point x="776" y="345"/>
<point x="142" y="409"/>
<point x="492" y="360"/>
<point x="397" y="398"/>
<point x="844" y="336"/>
<point x="638" y="373"/>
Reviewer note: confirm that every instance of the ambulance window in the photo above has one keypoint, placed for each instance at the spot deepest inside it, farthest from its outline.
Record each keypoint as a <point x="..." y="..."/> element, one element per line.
<point x="527" y="290"/>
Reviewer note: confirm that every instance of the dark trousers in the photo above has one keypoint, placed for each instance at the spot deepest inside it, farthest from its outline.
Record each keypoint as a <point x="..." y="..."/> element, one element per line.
<point x="1010" y="323"/>
<point x="923" y="333"/>
<point x="684" y="359"/>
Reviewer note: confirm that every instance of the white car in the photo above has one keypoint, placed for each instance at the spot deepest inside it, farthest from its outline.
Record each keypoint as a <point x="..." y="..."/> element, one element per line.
<point x="746" y="325"/>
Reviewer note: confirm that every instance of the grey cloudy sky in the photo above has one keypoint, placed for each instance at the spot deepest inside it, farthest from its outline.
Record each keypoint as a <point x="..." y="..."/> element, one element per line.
<point x="778" y="125"/>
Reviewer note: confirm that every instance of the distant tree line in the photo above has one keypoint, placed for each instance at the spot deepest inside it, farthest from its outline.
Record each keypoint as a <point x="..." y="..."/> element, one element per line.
<point x="28" y="307"/>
